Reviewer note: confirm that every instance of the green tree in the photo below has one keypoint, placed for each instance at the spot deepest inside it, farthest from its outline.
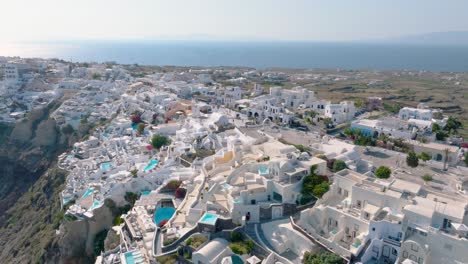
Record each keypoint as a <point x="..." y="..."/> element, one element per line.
<point x="452" y="125"/>
<point x="134" y="173"/>
<point x="96" y="76"/>
<point x="320" y="189"/>
<point x="412" y="159"/>
<point x="140" y="128"/>
<point x="427" y="178"/>
<point x="441" y="135"/>
<point x="67" y="129"/>
<point x="339" y="165"/>
<point x="424" y="156"/>
<point x="327" y="121"/>
<point x="131" y="197"/>
<point x="383" y="172"/>
<point x="157" y="141"/>
<point x="322" y="258"/>
<point x="466" y="158"/>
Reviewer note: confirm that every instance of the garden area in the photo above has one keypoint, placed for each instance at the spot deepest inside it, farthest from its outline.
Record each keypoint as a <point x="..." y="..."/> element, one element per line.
<point x="239" y="245"/>
<point x="313" y="186"/>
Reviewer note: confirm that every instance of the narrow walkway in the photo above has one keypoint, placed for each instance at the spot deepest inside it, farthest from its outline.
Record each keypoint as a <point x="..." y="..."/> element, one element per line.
<point x="255" y="232"/>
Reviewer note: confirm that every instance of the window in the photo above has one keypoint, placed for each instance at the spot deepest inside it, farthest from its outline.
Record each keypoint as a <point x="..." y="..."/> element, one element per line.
<point x="366" y="215"/>
<point x="415" y="248"/>
<point x="394" y="252"/>
<point x="405" y="254"/>
<point x="339" y="191"/>
<point x="358" y="203"/>
<point x="345" y="193"/>
<point x="420" y="260"/>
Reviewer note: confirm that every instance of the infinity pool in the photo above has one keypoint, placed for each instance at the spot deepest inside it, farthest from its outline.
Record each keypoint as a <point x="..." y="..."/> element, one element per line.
<point x="88" y="192"/>
<point x="151" y="165"/>
<point x="163" y="213"/>
<point x="209" y="219"/>
<point x="262" y="171"/>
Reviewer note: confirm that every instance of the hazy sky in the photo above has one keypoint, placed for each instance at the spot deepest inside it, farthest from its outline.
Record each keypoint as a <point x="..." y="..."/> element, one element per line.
<point x="311" y="20"/>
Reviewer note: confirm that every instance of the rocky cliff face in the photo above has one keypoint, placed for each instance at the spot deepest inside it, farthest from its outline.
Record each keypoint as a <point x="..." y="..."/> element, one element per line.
<point x="30" y="210"/>
<point x="76" y="238"/>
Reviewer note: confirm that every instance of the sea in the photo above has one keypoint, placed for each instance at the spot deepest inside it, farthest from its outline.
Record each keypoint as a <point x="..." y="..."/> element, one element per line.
<point x="260" y="55"/>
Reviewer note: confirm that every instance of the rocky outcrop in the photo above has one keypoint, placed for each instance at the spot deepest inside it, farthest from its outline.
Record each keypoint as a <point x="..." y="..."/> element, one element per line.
<point x="77" y="237"/>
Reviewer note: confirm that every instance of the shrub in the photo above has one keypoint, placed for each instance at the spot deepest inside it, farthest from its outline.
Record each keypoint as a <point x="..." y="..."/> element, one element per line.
<point x="301" y="148"/>
<point x="196" y="241"/>
<point x="466" y="158"/>
<point x="171" y="259"/>
<point x="157" y="141"/>
<point x="242" y="247"/>
<point x="131" y="197"/>
<point x="424" y="156"/>
<point x="68" y="129"/>
<point x="412" y="159"/>
<point x="339" y="165"/>
<point x="427" y="178"/>
<point x="322" y="258"/>
<point x="320" y="189"/>
<point x="173" y="185"/>
<point x="118" y="220"/>
<point x="382" y="172"/>
<point x="140" y="128"/>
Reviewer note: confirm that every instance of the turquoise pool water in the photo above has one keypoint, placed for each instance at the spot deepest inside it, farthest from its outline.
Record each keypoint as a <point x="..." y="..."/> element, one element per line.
<point x="129" y="258"/>
<point x="236" y="259"/>
<point x="106" y="165"/>
<point x="134" y="126"/>
<point x="145" y="192"/>
<point x="262" y="170"/>
<point x="88" y="192"/>
<point x="95" y="204"/>
<point x="164" y="213"/>
<point x="209" y="219"/>
<point x="105" y="135"/>
<point x="151" y="165"/>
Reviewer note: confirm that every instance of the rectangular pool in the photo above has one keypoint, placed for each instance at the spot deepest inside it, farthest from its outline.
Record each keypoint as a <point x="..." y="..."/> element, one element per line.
<point x="209" y="219"/>
<point x="106" y="165"/>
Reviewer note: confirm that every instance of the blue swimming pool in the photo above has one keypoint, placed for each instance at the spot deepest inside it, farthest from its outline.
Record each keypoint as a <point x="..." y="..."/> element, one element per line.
<point x="163" y="213"/>
<point x="129" y="258"/>
<point x="145" y="192"/>
<point x="88" y="192"/>
<point x="151" y="165"/>
<point x="209" y="219"/>
<point x="262" y="170"/>
<point x="106" y="165"/>
<point x="236" y="259"/>
<point x="134" y="126"/>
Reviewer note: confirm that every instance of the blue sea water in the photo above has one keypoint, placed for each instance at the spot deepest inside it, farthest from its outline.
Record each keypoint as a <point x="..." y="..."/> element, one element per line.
<point x="255" y="54"/>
